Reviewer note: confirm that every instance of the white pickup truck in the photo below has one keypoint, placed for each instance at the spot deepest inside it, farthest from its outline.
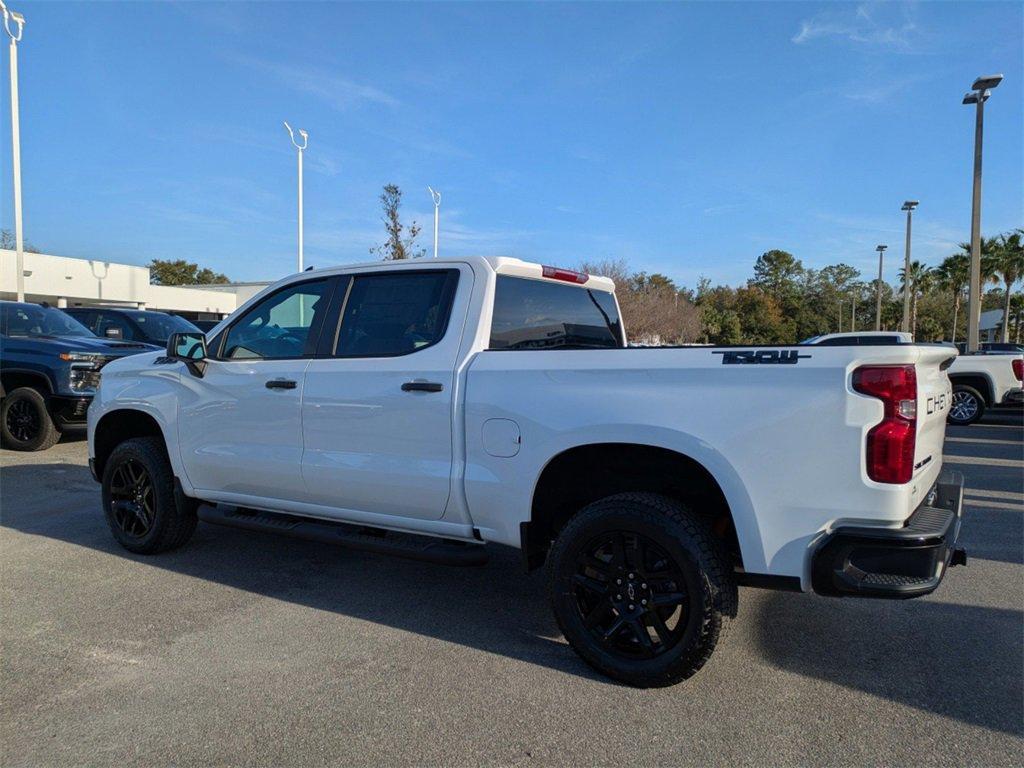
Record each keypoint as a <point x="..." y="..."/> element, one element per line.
<point x="426" y="408"/>
<point x="980" y="381"/>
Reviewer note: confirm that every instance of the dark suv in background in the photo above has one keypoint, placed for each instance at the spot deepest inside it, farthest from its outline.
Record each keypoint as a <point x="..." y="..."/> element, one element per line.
<point x="49" y="369"/>
<point x="142" y="325"/>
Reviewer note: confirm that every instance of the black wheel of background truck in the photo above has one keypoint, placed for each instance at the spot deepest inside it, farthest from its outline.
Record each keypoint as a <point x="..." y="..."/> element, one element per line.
<point x="641" y="589"/>
<point x="967" y="407"/>
<point x="25" y="423"/>
<point x="139" y="500"/>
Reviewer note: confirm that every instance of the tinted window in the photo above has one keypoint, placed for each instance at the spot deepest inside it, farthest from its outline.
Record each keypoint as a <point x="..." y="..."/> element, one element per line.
<point x="279" y="325"/>
<point x="86" y="317"/>
<point x="33" y="320"/>
<point x="395" y="314"/>
<point x="531" y="314"/>
<point x="158" y="327"/>
<point x="109" y="320"/>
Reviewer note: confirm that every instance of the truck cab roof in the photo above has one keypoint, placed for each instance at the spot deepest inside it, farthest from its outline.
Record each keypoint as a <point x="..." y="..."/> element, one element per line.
<point x="502" y="265"/>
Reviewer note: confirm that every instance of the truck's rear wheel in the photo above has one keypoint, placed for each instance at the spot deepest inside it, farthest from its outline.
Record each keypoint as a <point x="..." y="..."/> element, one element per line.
<point x="968" y="406"/>
<point x="641" y="589"/>
<point x="139" y="500"/>
<point x="25" y="423"/>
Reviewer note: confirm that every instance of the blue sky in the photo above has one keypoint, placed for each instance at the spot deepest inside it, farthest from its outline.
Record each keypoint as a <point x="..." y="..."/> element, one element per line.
<point x="684" y="138"/>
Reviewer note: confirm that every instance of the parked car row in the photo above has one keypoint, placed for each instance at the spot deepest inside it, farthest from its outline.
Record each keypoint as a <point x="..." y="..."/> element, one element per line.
<point x="50" y="362"/>
<point x="51" y="359"/>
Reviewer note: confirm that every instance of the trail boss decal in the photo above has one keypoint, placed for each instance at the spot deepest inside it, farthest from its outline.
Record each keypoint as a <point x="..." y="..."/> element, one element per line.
<point x="760" y="357"/>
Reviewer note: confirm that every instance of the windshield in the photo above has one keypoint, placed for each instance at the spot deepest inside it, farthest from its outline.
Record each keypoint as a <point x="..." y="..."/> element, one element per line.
<point x="33" y="320"/>
<point x="156" y="326"/>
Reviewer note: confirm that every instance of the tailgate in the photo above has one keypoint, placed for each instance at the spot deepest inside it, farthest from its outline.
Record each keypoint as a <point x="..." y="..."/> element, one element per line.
<point x="934" y="396"/>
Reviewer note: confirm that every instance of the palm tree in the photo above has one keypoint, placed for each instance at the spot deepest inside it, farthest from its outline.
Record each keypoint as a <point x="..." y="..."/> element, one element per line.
<point x="953" y="274"/>
<point x="921" y="277"/>
<point x="1008" y="263"/>
<point x="989" y="247"/>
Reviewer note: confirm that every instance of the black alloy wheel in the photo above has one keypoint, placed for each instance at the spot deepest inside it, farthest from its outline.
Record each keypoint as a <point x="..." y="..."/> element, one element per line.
<point x="132" y="498"/>
<point x="630" y="595"/>
<point x="144" y="511"/>
<point x="23" y="421"/>
<point x="641" y="588"/>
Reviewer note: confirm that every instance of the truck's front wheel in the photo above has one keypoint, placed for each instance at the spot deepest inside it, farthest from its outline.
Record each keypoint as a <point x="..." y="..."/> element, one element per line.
<point x="139" y="499"/>
<point x="25" y="423"/>
<point x="641" y="589"/>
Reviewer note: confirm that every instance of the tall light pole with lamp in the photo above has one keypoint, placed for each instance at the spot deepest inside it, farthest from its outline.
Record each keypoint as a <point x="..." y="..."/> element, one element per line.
<point x="878" y="288"/>
<point x="19" y="237"/>
<point x="909" y="207"/>
<point x="436" y="197"/>
<point x="980" y="91"/>
<point x="301" y="148"/>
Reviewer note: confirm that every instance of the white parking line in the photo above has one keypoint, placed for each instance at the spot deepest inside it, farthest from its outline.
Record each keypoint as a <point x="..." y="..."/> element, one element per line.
<point x="1019" y="463"/>
<point x="1010" y="495"/>
<point x="990" y="426"/>
<point x="982" y="441"/>
<point x="988" y="504"/>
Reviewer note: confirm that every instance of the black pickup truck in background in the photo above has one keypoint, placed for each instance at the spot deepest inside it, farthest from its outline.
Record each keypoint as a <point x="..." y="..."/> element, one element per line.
<point x="143" y="325"/>
<point x="49" y="370"/>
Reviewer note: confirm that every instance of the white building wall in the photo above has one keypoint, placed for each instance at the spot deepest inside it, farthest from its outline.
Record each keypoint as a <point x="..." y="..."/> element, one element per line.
<point x="64" y="281"/>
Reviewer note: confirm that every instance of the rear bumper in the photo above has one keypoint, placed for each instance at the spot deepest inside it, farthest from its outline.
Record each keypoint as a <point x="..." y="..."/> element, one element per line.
<point x="895" y="562"/>
<point x="1014" y="397"/>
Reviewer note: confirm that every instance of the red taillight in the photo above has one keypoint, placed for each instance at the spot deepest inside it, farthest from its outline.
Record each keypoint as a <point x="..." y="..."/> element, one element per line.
<point x="568" y="275"/>
<point x="1018" y="368"/>
<point x="890" y="447"/>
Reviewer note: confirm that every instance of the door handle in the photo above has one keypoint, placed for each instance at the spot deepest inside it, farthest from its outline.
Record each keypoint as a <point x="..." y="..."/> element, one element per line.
<point x="280" y="384"/>
<point x="422" y="386"/>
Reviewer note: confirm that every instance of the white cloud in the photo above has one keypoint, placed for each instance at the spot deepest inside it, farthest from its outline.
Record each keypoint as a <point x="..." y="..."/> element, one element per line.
<point x="862" y="27"/>
<point x="331" y="88"/>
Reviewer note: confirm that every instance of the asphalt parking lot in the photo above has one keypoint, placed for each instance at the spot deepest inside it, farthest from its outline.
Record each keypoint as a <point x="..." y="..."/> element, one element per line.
<point x="245" y="648"/>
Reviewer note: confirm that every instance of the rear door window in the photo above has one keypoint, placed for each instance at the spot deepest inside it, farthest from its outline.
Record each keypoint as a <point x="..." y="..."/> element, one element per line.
<point x="535" y="314"/>
<point x="395" y="313"/>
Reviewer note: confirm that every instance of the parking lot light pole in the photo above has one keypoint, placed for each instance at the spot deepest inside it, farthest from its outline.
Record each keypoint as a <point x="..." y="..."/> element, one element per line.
<point x="980" y="91"/>
<point x="878" y="288"/>
<point x="301" y="148"/>
<point x="909" y="207"/>
<point x="436" y="197"/>
<point x="19" y="241"/>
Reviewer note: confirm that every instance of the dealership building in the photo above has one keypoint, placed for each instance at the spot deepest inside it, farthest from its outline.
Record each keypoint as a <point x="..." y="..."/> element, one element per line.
<point x="68" y="282"/>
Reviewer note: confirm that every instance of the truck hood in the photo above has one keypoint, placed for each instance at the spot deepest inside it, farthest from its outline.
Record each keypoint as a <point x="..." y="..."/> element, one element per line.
<point x="130" y="364"/>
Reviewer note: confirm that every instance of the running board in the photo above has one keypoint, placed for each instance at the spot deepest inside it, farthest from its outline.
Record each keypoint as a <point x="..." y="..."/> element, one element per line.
<point x="424" y="548"/>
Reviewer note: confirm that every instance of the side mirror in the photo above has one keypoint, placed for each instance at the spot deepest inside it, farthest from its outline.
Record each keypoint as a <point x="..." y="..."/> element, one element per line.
<point x="113" y="333"/>
<point x="190" y="348"/>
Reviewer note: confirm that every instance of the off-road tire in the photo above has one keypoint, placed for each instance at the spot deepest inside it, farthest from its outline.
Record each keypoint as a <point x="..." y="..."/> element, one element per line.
<point x="173" y="516"/>
<point x="711" y="595"/>
<point x="43" y="432"/>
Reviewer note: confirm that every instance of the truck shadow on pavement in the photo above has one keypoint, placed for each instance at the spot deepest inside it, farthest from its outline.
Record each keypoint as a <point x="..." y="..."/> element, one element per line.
<point x="495" y="608"/>
<point x="959" y="661"/>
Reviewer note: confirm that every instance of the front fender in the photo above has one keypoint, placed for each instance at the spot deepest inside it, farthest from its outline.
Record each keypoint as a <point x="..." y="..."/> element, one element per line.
<point x="154" y="393"/>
